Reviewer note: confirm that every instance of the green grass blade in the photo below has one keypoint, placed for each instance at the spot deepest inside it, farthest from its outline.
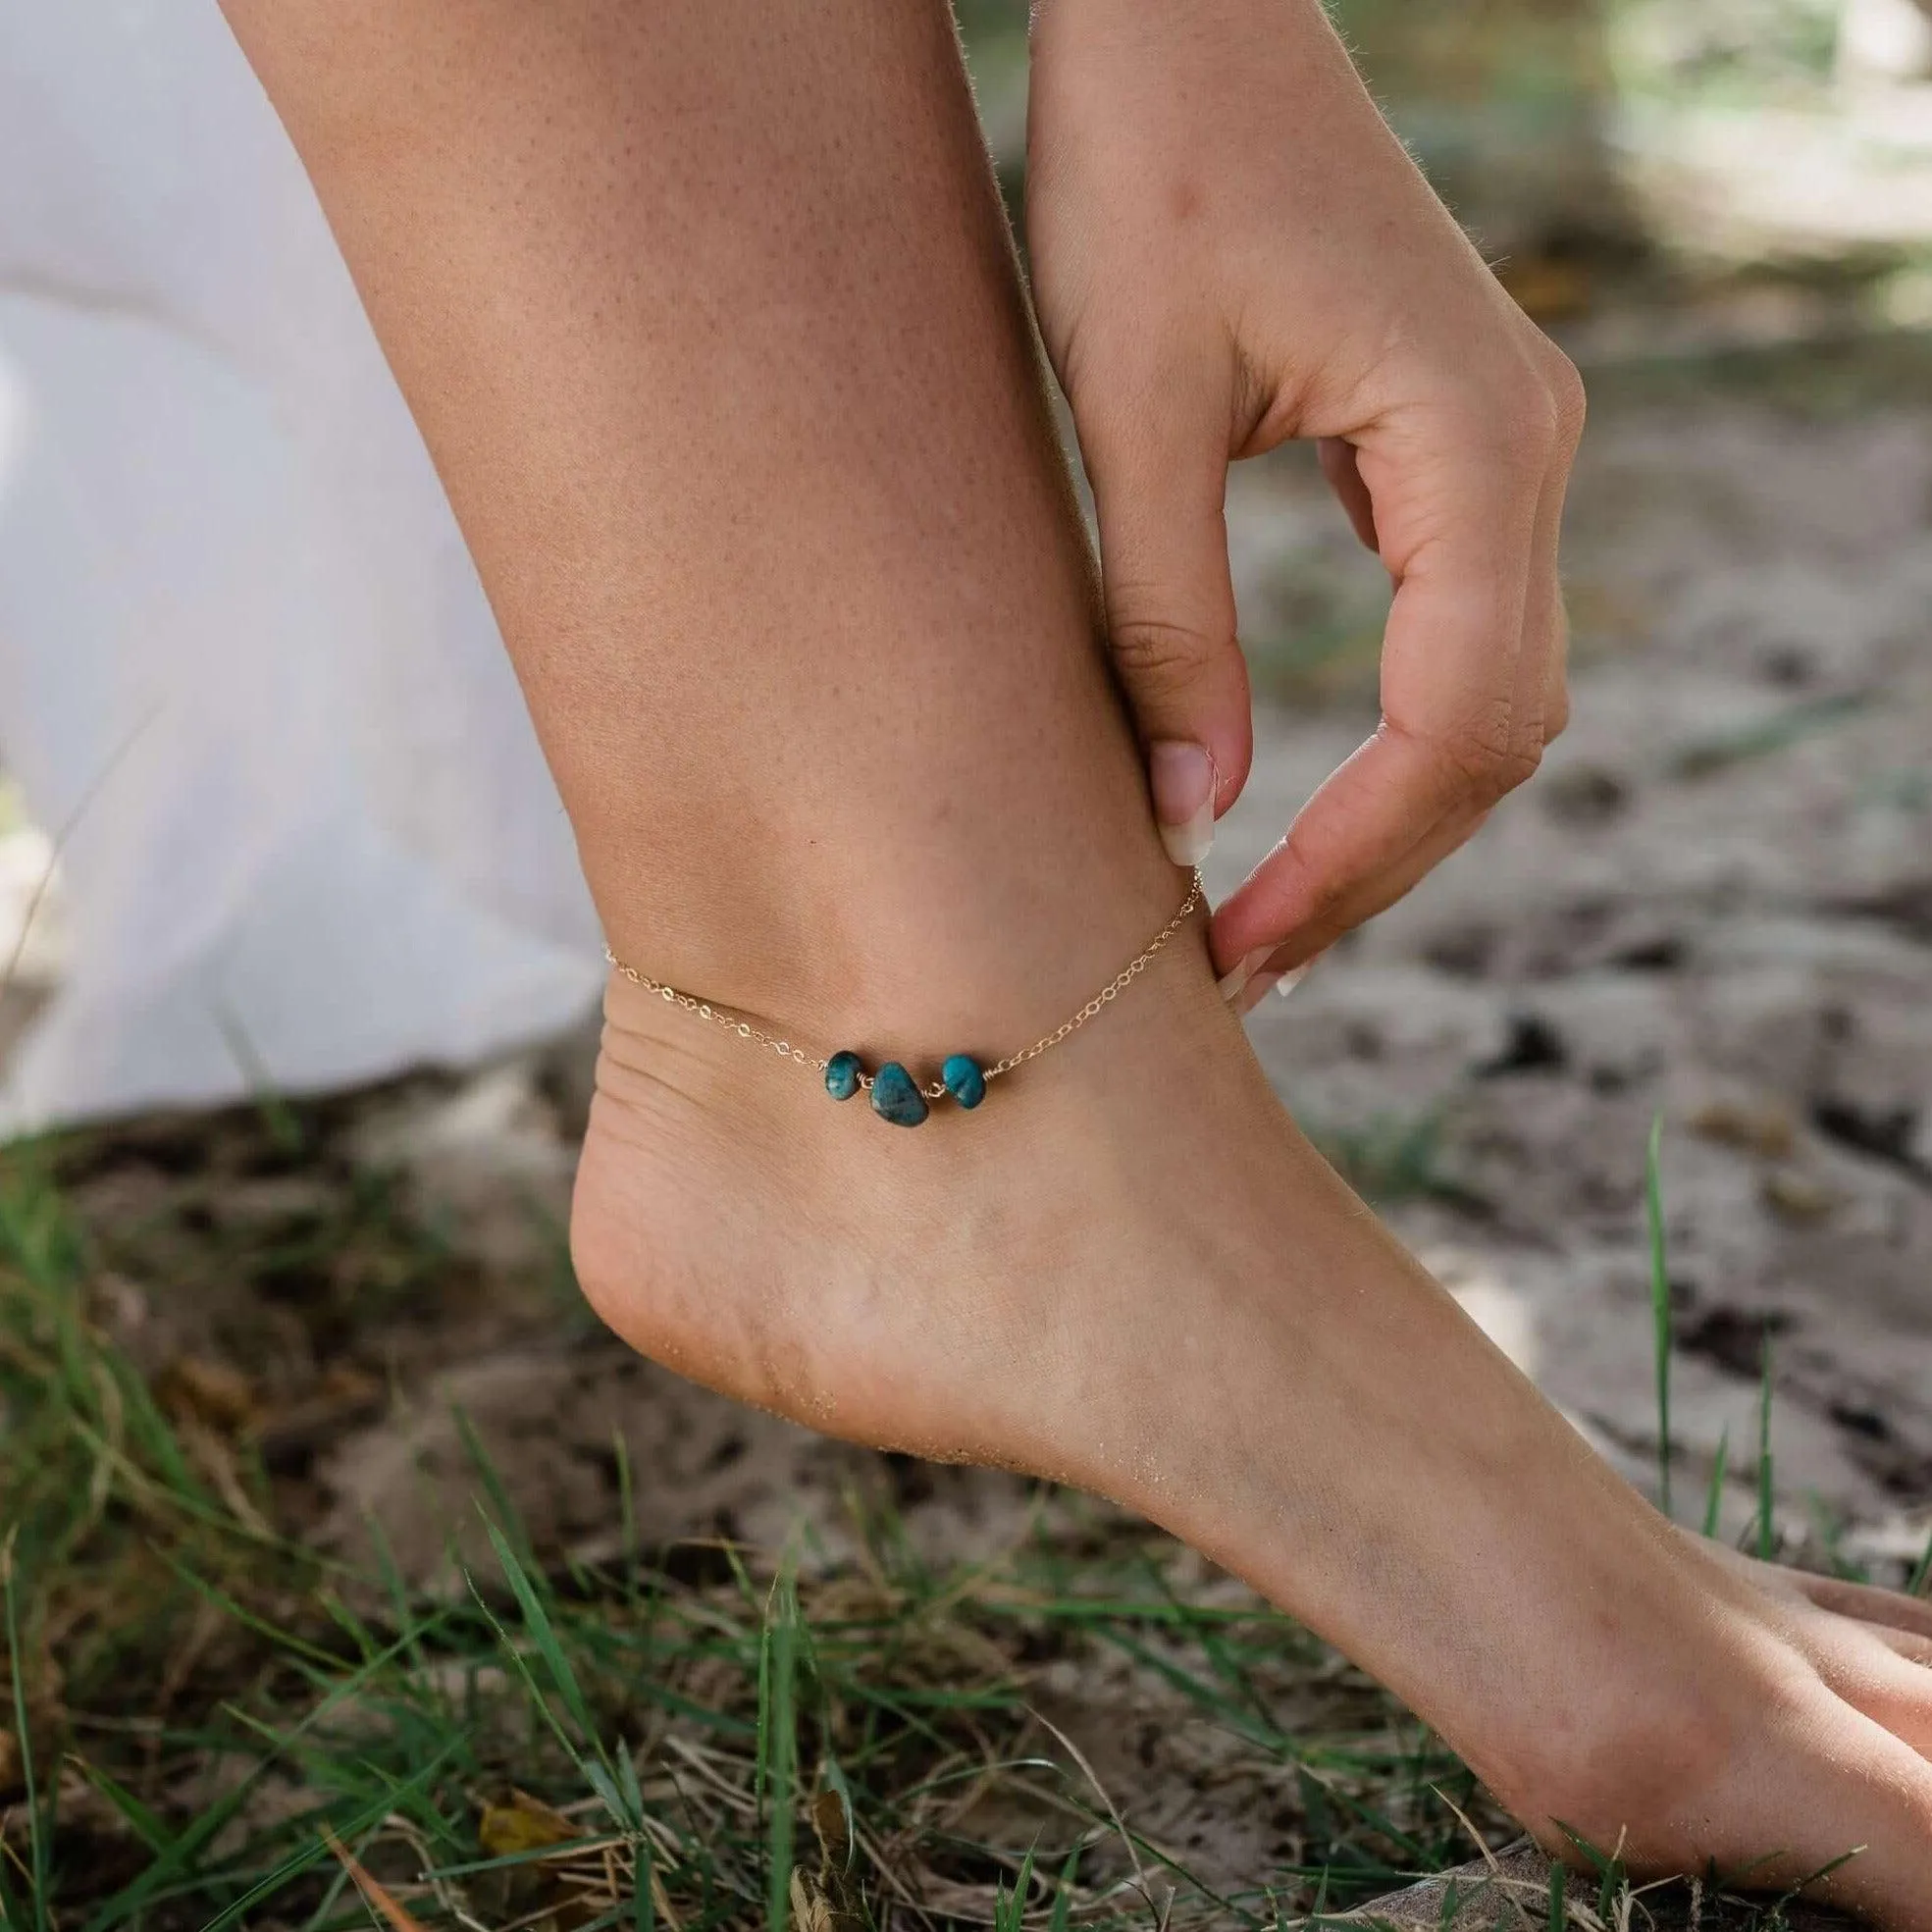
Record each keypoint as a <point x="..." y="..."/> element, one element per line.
<point x="1653" y="1208"/>
<point x="1063" y="1897"/>
<point x="1915" y="1584"/>
<point x="501" y="1508"/>
<point x="1714" y="1496"/>
<point x="369" y="1816"/>
<point x="147" y="1886"/>
<point x="643" y="1902"/>
<point x="1010" y="1910"/>
<point x="627" y="1512"/>
<point x="1824" y="1871"/>
<point x="779" y="1745"/>
<point x="134" y="1813"/>
<point x="1767" y="1528"/>
<point x="543" y="1632"/>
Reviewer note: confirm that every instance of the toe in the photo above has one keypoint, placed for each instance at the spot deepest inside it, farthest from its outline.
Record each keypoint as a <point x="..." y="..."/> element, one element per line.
<point x="1890" y="1608"/>
<point x="1881" y="1673"/>
<point x="1871" y="1822"/>
<point x="1904" y="1642"/>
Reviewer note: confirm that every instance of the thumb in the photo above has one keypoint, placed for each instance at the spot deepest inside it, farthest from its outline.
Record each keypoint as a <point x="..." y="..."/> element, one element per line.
<point x="1159" y="487"/>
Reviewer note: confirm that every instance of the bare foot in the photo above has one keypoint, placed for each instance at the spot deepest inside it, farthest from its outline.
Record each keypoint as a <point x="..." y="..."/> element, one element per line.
<point x="1129" y="1272"/>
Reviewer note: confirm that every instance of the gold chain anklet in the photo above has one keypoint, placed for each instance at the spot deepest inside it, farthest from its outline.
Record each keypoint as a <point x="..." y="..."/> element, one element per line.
<point x="895" y="1096"/>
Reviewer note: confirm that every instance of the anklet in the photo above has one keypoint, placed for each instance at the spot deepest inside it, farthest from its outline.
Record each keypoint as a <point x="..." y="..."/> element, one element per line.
<point x="895" y="1096"/>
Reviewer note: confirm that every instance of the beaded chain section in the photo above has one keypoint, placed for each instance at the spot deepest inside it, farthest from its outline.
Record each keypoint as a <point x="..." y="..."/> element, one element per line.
<point x="895" y="1096"/>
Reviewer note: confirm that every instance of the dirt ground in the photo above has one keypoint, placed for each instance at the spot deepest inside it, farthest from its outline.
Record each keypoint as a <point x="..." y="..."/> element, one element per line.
<point x="1715" y="901"/>
<point x="1713" y="904"/>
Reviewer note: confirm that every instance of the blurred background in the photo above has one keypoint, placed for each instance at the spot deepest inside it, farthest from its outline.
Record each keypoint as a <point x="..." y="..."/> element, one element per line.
<point x="334" y="1319"/>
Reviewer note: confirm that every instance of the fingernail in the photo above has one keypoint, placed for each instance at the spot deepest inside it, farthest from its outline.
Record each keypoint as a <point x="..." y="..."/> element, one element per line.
<point x="1235" y="979"/>
<point x="1182" y="779"/>
<point x="1284" y="983"/>
<point x="1292" y="978"/>
<point x="1251" y="994"/>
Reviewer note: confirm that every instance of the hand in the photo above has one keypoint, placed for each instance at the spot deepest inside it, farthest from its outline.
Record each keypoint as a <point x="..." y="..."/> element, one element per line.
<point x="1231" y="248"/>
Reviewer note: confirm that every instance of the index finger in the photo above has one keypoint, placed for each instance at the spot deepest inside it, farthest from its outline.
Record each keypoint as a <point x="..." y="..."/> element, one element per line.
<point x="1458" y="510"/>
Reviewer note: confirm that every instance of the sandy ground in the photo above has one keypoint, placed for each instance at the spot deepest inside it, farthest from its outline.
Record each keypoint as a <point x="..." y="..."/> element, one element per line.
<point x="1715" y="901"/>
<point x="1713" y="904"/>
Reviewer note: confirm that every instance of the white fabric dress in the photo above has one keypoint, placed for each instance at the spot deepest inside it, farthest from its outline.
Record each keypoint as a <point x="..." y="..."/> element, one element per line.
<point x="244" y="662"/>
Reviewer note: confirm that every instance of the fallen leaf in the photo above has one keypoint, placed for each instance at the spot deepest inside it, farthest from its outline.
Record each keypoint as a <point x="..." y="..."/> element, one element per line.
<point x="370" y="1889"/>
<point x="524" y="1824"/>
<point x="810" y="1911"/>
<point x="833" y="1895"/>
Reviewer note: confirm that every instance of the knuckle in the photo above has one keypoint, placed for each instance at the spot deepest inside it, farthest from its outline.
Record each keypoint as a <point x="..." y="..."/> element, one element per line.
<point x="1512" y="427"/>
<point x="1533" y="421"/>
<point x="1538" y="407"/>
<point x="1569" y="403"/>
<point x="1490" y="769"/>
<point x="1556" y="714"/>
<point x="1157" y="656"/>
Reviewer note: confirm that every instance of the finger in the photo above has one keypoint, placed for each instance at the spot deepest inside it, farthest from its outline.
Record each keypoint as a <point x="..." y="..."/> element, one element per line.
<point x="1157" y="458"/>
<point x="1344" y="475"/>
<point x="1542" y="703"/>
<point x="1464" y="672"/>
<point x="1375" y="828"/>
<point x="1267" y="968"/>
<point x="1539" y="706"/>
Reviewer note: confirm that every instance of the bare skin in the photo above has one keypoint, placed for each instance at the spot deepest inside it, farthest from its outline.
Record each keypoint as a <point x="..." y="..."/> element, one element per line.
<point x="712" y="327"/>
<point x="1231" y="248"/>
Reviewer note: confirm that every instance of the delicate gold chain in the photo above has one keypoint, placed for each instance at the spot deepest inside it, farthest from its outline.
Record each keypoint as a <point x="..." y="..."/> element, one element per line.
<point x="733" y="1023"/>
<point x="1111" y="991"/>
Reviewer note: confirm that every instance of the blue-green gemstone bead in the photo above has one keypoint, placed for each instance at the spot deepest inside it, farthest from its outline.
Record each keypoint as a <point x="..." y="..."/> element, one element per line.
<point x="842" y="1073"/>
<point x="895" y="1096"/>
<point x="963" y="1079"/>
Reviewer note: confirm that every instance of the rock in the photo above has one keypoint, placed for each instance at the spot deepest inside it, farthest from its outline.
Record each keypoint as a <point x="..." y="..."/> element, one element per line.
<point x="1797" y="1198"/>
<point x="1763" y="1127"/>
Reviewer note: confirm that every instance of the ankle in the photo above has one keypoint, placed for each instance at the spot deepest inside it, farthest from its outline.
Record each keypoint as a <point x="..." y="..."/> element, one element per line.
<point x="912" y="967"/>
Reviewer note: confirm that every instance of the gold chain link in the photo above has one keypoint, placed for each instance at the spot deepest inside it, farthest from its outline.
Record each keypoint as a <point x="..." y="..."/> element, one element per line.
<point x="733" y="1023"/>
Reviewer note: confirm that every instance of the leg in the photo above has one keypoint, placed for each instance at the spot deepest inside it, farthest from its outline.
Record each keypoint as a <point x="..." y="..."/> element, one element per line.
<point x="713" y="326"/>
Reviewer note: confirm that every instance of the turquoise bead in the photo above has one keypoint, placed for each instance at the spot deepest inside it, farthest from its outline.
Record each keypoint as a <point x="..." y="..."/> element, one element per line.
<point x="842" y="1073"/>
<point x="895" y="1096"/>
<point x="963" y="1079"/>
